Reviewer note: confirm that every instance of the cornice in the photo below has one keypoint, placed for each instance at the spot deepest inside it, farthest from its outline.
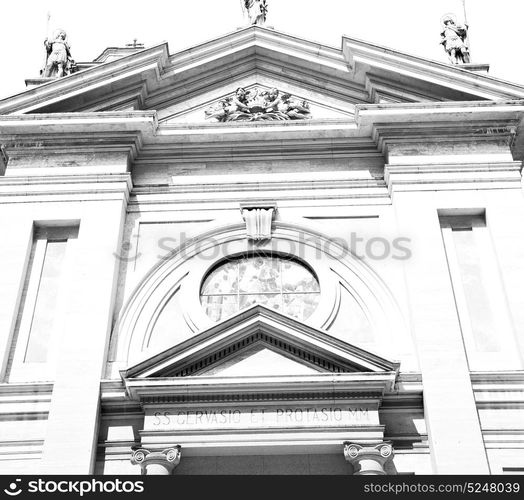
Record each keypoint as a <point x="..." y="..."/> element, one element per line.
<point x="256" y="36"/>
<point x="27" y="390"/>
<point x="500" y="390"/>
<point x="25" y="400"/>
<point x="59" y="123"/>
<point x="364" y="387"/>
<point x="256" y="68"/>
<point x="80" y="179"/>
<point x="135" y="65"/>
<point x="77" y="187"/>
<point x="390" y="61"/>
<point x="77" y="133"/>
<point x="453" y="111"/>
<point x="475" y="175"/>
<point x="502" y="377"/>
<point x="479" y="121"/>
<point x="326" y="386"/>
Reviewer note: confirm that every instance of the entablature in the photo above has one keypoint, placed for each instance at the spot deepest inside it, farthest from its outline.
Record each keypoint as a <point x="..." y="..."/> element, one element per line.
<point x="477" y="135"/>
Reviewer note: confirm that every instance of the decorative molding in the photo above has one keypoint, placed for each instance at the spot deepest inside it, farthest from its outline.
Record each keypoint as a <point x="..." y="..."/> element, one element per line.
<point x="370" y="395"/>
<point x="404" y="397"/>
<point x="258" y="217"/>
<point x="370" y="386"/>
<point x="27" y="401"/>
<point x="304" y="356"/>
<point x="18" y="189"/>
<point x="502" y="175"/>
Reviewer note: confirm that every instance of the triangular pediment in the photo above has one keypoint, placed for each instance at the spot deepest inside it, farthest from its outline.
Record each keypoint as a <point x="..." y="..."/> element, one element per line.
<point x="358" y="72"/>
<point x="260" y="341"/>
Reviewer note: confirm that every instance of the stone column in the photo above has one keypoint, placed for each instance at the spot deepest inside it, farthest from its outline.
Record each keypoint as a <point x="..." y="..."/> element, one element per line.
<point x="156" y="463"/>
<point x="368" y="459"/>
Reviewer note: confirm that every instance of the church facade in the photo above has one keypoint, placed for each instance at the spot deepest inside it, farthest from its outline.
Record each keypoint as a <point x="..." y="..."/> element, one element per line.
<point x="262" y="255"/>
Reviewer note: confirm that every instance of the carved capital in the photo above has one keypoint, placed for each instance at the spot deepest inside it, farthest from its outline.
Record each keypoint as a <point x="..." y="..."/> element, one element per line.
<point x="368" y="459"/>
<point x="258" y="217"/>
<point x="157" y="462"/>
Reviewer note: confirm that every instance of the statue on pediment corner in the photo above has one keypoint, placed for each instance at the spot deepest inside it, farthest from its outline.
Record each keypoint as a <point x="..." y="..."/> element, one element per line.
<point x="258" y="105"/>
<point x="256" y="11"/>
<point x="454" y="39"/>
<point x="59" y="61"/>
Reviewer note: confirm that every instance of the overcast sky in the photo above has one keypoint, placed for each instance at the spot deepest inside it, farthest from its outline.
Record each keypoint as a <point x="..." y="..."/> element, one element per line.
<point x="411" y="26"/>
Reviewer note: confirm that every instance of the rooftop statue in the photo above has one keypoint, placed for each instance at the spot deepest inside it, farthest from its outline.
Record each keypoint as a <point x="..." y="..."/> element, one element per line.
<point x="257" y="105"/>
<point x="58" y="62"/>
<point x="454" y="39"/>
<point x="256" y="11"/>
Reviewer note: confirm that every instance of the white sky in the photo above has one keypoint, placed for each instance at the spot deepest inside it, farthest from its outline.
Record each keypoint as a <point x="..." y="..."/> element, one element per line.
<point x="411" y="26"/>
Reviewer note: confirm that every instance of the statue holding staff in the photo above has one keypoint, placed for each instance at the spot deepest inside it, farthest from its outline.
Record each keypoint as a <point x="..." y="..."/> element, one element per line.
<point x="454" y="40"/>
<point x="58" y="62"/>
<point x="256" y="11"/>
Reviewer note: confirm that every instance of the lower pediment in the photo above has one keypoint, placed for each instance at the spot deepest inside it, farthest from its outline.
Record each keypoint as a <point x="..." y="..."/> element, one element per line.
<point x="253" y="336"/>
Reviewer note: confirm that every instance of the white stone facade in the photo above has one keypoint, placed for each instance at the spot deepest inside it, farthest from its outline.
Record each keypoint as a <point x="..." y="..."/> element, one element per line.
<point x="402" y="195"/>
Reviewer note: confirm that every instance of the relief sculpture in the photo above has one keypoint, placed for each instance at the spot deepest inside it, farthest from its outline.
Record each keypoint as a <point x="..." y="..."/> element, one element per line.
<point x="257" y="105"/>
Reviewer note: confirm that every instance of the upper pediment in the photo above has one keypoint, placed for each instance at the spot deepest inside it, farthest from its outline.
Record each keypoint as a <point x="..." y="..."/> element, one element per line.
<point x="260" y="342"/>
<point x="332" y="80"/>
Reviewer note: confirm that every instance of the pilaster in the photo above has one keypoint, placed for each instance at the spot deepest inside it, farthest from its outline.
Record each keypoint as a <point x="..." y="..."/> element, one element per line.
<point x="455" y="435"/>
<point x="74" y="411"/>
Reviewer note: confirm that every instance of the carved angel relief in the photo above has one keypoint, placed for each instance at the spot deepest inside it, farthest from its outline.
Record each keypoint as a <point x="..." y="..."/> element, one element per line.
<point x="256" y="105"/>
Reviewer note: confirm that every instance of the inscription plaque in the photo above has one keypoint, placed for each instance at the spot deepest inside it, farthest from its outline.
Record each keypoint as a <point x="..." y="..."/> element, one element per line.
<point x="164" y="419"/>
